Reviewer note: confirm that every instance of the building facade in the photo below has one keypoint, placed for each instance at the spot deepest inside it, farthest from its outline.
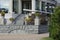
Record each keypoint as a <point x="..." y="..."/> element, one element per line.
<point x="14" y="8"/>
<point x="19" y="9"/>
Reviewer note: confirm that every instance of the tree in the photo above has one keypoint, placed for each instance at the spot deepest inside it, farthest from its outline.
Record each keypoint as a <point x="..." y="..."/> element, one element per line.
<point x="54" y="27"/>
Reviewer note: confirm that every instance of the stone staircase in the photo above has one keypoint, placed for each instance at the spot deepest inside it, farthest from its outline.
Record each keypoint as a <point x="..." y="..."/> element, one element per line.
<point x="19" y="20"/>
<point x="4" y="29"/>
<point x="18" y="27"/>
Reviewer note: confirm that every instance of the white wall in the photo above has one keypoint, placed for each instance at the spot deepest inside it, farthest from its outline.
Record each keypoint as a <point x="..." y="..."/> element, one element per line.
<point x="58" y="1"/>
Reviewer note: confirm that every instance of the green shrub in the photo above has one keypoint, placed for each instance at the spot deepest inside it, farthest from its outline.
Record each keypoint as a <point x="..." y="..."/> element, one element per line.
<point x="54" y="27"/>
<point x="2" y="13"/>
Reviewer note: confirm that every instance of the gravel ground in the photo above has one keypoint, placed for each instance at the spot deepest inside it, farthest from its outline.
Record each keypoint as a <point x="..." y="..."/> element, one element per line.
<point x="23" y="36"/>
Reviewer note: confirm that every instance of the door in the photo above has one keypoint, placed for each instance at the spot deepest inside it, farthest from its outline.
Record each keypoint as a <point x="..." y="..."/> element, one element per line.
<point x="26" y="5"/>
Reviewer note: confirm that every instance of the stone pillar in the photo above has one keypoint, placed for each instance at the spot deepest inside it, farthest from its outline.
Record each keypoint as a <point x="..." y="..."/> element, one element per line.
<point x="40" y="5"/>
<point x="33" y="5"/>
<point x="11" y="6"/>
<point x="20" y="6"/>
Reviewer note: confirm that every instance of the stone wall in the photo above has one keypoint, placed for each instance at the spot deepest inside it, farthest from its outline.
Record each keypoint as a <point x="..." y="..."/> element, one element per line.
<point x="29" y="29"/>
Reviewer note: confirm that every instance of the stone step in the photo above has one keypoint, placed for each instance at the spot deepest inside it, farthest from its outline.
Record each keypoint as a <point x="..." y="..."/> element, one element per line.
<point x="20" y="20"/>
<point x="18" y="32"/>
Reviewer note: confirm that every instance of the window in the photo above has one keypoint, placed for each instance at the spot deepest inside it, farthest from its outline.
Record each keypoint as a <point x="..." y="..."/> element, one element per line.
<point x="37" y="4"/>
<point x="15" y="6"/>
<point x="50" y="7"/>
<point x="43" y="6"/>
<point x="53" y="0"/>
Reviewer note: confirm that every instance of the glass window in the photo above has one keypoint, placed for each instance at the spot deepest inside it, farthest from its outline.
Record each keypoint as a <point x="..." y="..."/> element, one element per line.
<point x="43" y="6"/>
<point x="50" y="7"/>
<point x="4" y="5"/>
<point x="15" y="6"/>
<point x="37" y="4"/>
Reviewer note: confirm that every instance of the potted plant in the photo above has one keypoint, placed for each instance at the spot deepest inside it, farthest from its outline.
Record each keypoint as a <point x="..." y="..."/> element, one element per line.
<point x="28" y="20"/>
<point x="37" y="14"/>
<point x="11" y="19"/>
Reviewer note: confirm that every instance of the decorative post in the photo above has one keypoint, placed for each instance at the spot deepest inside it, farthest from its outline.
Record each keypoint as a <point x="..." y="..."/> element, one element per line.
<point x="36" y="21"/>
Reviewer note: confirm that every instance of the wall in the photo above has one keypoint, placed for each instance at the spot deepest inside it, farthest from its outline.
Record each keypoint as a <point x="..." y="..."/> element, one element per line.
<point x="58" y="1"/>
<point x="29" y="29"/>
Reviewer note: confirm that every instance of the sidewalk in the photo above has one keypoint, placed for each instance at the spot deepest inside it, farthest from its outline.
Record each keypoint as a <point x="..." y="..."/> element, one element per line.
<point x="22" y="36"/>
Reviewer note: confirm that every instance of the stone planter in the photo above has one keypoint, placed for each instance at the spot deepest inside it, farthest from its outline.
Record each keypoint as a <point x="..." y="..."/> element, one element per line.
<point x="37" y="21"/>
<point x="2" y="20"/>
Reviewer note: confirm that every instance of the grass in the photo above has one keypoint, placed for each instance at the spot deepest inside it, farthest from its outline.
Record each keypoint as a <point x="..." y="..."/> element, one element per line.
<point x="47" y="38"/>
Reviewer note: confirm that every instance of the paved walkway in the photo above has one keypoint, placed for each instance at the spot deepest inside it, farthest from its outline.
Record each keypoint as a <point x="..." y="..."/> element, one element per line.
<point x="22" y="36"/>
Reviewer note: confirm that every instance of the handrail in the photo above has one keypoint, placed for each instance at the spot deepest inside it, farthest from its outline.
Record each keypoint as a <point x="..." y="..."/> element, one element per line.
<point x="36" y="11"/>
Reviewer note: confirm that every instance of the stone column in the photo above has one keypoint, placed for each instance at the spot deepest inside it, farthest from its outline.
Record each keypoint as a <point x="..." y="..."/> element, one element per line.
<point x="19" y="6"/>
<point x="40" y="5"/>
<point x="11" y="6"/>
<point x="33" y="5"/>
